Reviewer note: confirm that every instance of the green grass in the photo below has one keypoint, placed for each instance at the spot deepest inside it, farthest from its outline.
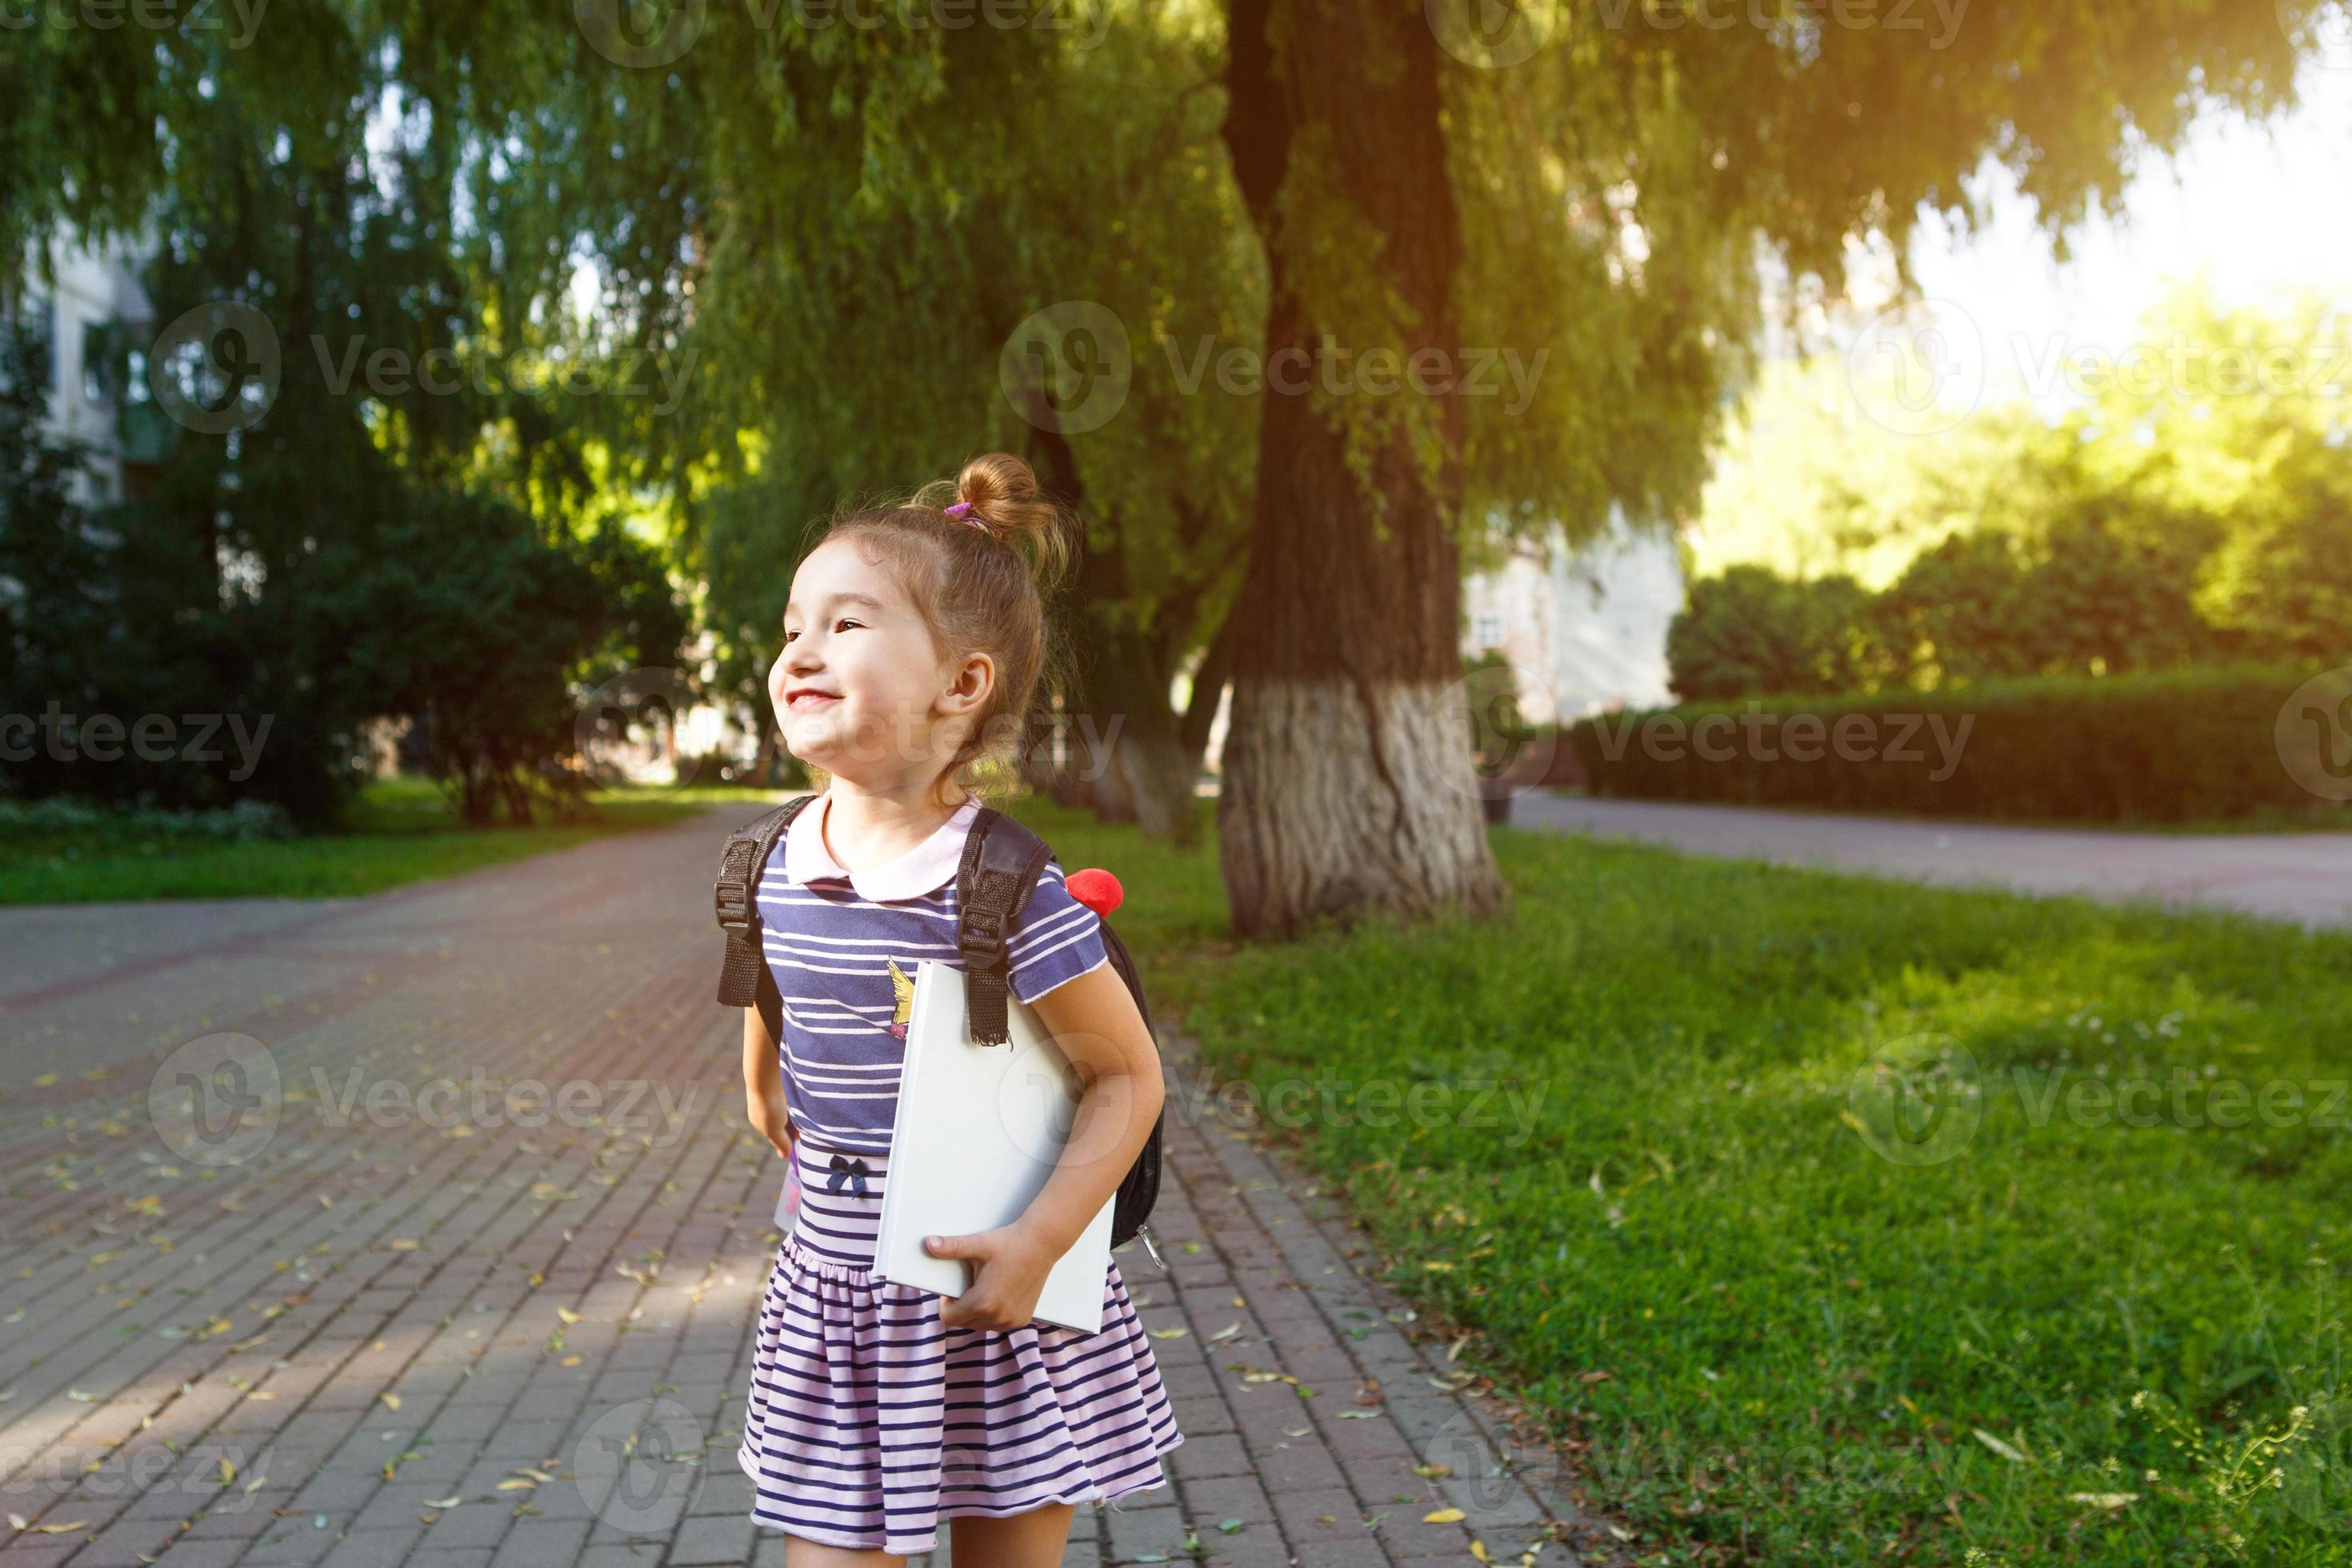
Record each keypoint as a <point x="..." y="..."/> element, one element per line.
<point x="399" y="831"/>
<point x="1802" y="1337"/>
<point x="2320" y="816"/>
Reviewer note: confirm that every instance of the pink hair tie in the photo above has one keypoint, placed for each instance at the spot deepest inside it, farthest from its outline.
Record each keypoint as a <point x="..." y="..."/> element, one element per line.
<point x="962" y="510"/>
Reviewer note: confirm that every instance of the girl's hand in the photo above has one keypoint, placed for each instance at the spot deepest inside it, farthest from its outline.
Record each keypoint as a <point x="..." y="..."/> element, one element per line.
<point x="765" y="1107"/>
<point x="1012" y="1265"/>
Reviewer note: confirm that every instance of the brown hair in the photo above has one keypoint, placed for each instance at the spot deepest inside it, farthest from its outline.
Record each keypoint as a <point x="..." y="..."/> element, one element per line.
<point x="978" y="588"/>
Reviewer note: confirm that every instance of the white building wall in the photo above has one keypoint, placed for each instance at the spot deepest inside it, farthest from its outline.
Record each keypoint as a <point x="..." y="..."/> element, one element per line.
<point x="1585" y="630"/>
<point x="92" y="288"/>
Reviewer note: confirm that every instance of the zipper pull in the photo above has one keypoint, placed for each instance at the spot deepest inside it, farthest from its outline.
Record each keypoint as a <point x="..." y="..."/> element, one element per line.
<point x="1143" y="1234"/>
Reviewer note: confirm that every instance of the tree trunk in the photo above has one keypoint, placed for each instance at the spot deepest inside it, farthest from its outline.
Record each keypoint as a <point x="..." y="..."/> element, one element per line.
<point x="1347" y="780"/>
<point x="1127" y="753"/>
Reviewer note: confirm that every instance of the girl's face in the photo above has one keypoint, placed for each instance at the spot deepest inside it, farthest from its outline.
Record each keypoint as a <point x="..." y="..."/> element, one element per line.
<point x="861" y="690"/>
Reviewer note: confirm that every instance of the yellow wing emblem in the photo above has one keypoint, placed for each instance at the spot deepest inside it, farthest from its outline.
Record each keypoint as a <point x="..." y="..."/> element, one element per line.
<point x="903" y="990"/>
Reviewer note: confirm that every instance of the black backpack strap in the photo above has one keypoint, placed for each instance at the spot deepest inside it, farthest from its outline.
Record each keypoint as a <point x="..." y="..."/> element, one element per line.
<point x="1002" y="862"/>
<point x="737" y="901"/>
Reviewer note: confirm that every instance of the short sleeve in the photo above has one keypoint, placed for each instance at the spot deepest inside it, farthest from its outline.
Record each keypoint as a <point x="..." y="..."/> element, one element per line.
<point x="1055" y="939"/>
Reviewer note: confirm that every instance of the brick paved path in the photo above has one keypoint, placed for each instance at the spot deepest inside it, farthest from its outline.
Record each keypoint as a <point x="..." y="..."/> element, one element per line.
<point x="473" y="1282"/>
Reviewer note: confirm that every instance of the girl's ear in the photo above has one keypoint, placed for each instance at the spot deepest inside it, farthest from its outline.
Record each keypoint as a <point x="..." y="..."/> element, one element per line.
<point x="971" y="684"/>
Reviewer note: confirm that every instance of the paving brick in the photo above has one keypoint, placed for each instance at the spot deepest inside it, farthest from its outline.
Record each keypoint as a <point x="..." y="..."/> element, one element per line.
<point x="591" y="965"/>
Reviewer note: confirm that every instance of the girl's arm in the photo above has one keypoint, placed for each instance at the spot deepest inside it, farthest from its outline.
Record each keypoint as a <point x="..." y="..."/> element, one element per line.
<point x="1093" y="1020"/>
<point x="763" y="1084"/>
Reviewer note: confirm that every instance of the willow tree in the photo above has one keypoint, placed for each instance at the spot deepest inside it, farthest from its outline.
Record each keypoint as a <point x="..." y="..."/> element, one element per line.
<point x="1606" y="183"/>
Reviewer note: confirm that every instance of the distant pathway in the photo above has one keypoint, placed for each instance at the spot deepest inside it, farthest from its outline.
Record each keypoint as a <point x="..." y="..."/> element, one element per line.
<point x="2300" y="877"/>
<point x="388" y="1308"/>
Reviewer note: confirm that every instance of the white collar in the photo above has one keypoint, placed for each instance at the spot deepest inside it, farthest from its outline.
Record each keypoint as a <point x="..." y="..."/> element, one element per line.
<point x="925" y="868"/>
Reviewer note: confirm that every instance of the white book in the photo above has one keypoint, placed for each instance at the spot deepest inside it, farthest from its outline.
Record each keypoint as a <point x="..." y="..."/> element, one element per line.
<point x="979" y="1129"/>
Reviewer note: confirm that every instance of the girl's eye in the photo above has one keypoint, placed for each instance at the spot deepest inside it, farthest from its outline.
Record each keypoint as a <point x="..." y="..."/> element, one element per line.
<point x="844" y="621"/>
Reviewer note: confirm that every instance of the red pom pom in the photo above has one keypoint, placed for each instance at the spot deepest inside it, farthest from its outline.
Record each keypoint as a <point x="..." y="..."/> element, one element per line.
<point x="1096" y="889"/>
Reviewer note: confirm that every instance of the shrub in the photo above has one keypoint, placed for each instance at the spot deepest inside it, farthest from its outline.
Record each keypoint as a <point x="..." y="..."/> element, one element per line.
<point x="2172" y="746"/>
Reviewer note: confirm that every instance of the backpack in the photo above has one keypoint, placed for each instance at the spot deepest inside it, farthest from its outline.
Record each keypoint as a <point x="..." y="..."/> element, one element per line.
<point x="1002" y="862"/>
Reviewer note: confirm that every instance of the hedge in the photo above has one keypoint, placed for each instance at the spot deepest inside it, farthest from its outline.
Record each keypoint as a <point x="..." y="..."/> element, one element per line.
<point x="2177" y="746"/>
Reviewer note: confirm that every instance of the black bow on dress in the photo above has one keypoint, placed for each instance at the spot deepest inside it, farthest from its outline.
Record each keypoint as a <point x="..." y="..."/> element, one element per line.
<point x="847" y="1173"/>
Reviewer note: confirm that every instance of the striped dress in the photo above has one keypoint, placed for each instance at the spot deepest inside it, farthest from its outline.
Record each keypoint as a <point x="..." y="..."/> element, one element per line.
<point x="867" y="1422"/>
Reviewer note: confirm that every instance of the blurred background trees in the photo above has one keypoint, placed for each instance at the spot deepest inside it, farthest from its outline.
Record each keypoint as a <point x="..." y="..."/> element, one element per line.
<point x="584" y="323"/>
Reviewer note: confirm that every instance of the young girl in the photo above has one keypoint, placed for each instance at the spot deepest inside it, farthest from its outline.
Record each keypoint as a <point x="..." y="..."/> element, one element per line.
<point x="913" y="639"/>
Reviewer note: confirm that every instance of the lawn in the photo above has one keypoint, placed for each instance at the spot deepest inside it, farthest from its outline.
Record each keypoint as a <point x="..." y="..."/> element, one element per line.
<point x="2050" y="1311"/>
<point x="400" y="831"/>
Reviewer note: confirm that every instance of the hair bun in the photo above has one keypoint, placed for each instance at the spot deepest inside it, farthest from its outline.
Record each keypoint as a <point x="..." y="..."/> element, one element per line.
<point x="1002" y="492"/>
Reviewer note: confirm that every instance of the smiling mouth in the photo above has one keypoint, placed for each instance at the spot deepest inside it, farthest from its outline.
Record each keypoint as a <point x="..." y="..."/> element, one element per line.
<point x="807" y="699"/>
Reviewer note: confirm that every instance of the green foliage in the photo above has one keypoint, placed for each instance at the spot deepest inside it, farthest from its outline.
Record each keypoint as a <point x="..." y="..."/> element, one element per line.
<point x="2171" y="746"/>
<point x="480" y="629"/>
<point x="412" y="521"/>
<point x="2191" y="502"/>
<point x="1750" y="631"/>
